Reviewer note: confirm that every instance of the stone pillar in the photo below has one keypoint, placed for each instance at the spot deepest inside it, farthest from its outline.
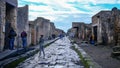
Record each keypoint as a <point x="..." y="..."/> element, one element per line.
<point x="49" y="30"/>
<point x="35" y="37"/>
<point x="99" y="31"/>
<point x="14" y="22"/>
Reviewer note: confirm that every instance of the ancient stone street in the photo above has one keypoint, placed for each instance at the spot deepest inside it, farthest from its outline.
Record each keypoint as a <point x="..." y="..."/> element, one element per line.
<point x="76" y="34"/>
<point x="58" y="55"/>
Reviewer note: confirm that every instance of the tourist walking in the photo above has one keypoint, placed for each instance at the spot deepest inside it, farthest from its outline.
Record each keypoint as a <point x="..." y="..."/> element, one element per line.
<point x="11" y="36"/>
<point x="41" y="42"/>
<point x="24" y="39"/>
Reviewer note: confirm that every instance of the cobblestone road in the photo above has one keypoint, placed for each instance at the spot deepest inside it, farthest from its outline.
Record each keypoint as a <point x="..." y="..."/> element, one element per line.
<point x="58" y="55"/>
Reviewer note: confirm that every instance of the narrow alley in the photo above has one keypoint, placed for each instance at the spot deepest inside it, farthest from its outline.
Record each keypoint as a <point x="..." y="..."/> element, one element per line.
<point x="57" y="55"/>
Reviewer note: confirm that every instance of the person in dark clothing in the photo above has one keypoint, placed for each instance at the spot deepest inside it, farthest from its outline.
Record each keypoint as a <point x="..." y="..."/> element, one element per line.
<point x="41" y="42"/>
<point x="92" y="39"/>
<point x="24" y="39"/>
<point x="11" y="36"/>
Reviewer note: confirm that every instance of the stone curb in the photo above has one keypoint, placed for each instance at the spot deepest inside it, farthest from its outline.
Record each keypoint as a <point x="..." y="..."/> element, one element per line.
<point x="26" y="55"/>
<point x="91" y="62"/>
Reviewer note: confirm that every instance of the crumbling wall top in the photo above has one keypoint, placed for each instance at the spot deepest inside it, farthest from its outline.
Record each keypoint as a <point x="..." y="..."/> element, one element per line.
<point x="12" y="2"/>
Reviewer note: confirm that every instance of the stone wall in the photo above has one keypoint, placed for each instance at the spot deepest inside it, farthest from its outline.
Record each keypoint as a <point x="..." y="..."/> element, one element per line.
<point x="52" y="28"/>
<point x="57" y="32"/>
<point x="2" y="24"/>
<point x="22" y="21"/>
<point x="8" y="16"/>
<point x="31" y="30"/>
<point x="12" y="2"/>
<point x="42" y="26"/>
<point x="105" y="22"/>
<point x="116" y="24"/>
<point x="39" y="26"/>
<point x="80" y="30"/>
<point x="101" y="22"/>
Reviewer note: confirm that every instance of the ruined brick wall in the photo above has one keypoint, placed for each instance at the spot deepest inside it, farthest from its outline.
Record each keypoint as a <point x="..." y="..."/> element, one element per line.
<point x="58" y="32"/>
<point x="80" y="29"/>
<point x="31" y="30"/>
<point x="42" y="26"/>
<point x="22" y="21"/>
<point x="12" y="2"/>
<point x="33" y="36"/>
<point x="75" y="27"/>
<point x="8" y="16"/>
<point x="38" y="26"/>
<point x="2" y="24"/>
<point x="104" y="26"/>
<point x="46" y="28"/>
<point x="52" y="28"/>
<point x="76" y="24"/>
<point x="116" y="25"/>
<point x="33" y="33"/>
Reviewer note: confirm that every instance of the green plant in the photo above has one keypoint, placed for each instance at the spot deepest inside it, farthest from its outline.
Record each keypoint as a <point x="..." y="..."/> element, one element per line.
<point x="15" y="63"/>
<point x="85" y="62"/>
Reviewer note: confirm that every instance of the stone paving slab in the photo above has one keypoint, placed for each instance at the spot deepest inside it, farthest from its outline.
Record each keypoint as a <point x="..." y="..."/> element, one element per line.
<point x="6" y="53"/>
<point x="58" y="55"/>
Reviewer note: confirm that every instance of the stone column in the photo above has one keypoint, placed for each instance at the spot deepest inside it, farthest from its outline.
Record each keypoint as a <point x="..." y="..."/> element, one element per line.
<point x="99" y="31"/>
<point x="14" y="22"/>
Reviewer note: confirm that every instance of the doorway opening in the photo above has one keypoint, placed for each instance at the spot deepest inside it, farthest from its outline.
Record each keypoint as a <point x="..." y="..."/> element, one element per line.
<point x="8" y="19"/>
<point x="95" y="33"/>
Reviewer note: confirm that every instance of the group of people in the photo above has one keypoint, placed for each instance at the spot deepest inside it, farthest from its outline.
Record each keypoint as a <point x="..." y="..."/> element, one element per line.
<point x="12" y="34"/>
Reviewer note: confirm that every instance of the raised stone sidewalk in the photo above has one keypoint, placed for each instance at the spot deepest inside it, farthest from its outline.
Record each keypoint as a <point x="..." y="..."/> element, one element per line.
<point x="86" y="57"/>
<point x="9" y="59"/>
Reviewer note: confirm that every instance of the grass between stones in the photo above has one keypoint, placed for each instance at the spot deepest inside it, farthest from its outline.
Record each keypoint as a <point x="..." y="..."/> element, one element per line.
<point x="15" y="63"/>
<point x="85" y="62"/>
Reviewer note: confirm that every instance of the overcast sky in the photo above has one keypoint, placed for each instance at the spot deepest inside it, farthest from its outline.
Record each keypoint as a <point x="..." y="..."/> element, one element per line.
<point x="64" y="12"/>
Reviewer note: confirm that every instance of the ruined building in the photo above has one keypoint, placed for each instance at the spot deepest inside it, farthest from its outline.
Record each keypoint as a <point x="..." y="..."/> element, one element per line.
<point x="101" y="23"/>
<point x="57" y="32"/>
<point x="104" y="24"/>
<point x="12" y="16"/>
<point x="116" y="20"/>
<point x="80" y="30"/>
<point x="41" y="26"/>
<point x="8" y="19"/>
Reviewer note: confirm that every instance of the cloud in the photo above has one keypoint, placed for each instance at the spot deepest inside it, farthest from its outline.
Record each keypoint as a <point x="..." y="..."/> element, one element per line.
<point x="97" y="2"/>
<point x="40" y="8"/>
<point x="64" y="12"/>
